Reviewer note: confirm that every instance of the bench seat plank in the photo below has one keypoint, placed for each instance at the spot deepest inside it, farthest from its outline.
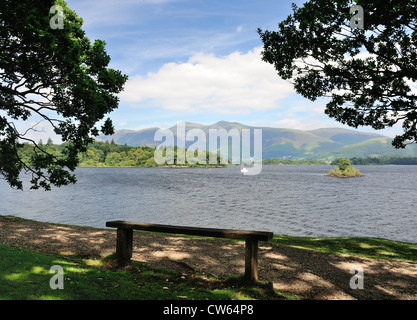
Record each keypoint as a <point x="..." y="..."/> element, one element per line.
<point x="208" y="232"/>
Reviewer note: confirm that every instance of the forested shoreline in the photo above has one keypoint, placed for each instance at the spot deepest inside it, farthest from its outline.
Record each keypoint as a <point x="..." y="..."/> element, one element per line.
<point x="108" y="154"/>
<point x="395" y="160"/>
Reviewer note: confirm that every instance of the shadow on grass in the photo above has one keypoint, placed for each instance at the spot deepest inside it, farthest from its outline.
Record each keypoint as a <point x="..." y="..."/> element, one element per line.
<point x="361" y="246"/>
<point x="283" y="261"/>
<point x="25" y="275"/>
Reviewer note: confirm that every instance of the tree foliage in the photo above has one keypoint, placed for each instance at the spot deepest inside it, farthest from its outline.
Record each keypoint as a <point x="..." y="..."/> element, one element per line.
<point x="344" y="163"/>
<point x="57" y="76"/>
<point x="369" y="74"/>
<point x="105" y="154"/>
<point x="385" y="160"/>
<point x="344" y="169"/>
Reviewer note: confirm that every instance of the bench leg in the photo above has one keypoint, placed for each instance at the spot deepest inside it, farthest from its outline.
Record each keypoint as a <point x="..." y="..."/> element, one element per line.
<point x="124" y="246"/>
<point x="251" y="260"/>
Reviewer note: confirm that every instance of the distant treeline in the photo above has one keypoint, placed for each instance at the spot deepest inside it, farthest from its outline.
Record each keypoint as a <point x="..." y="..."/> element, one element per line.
<point x="106" y="154"/>
<point x="288" y="161"/>
<point x="400" y="160"/>
<point x="110" y="154"/>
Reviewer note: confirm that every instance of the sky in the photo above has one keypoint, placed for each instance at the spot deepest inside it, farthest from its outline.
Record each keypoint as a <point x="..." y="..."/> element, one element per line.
<point x="198" y="61"/>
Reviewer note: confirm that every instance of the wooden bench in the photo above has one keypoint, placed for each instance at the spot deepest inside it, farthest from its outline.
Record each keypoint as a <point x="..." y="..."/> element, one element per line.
<point x="125" y="229"/>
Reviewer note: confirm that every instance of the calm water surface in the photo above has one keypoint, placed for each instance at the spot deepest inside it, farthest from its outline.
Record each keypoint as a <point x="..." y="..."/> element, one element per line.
<point x="292" y="200"/>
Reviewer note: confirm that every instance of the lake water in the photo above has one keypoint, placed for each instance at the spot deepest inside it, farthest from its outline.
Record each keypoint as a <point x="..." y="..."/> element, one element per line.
<point x="292" y="200"/>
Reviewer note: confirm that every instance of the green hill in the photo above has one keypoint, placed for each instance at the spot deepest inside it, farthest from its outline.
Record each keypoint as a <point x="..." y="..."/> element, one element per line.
<point x="344" y="136"/>
<point x="325" y="143"/>
<point x="378" y="147"/>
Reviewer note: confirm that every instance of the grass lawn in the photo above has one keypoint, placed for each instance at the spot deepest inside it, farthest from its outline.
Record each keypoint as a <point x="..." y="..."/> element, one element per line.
<point x="25" y="274"/>
<point x="359" y="246"/>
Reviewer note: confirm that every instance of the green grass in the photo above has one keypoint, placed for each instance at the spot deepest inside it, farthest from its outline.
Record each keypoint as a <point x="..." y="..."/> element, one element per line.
<point x="359" y="246"/>
<point x="24" y="274"/>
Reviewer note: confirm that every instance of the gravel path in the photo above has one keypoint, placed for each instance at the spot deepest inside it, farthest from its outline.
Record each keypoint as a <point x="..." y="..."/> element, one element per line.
<point x="303" y="273"/>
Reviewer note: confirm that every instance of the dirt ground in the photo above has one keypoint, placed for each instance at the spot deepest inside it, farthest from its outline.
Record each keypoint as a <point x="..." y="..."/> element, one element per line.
<point x="302" y="273"/>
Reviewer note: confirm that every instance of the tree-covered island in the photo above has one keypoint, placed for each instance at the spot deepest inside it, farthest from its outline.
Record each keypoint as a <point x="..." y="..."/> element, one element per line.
<point x="344" y="169"/>
<point x="110" y="154"/>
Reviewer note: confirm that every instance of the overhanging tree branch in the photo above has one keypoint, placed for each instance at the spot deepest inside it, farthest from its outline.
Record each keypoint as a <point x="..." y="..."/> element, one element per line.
<point x="43" y="72"/>
<point x="369" y="75"/>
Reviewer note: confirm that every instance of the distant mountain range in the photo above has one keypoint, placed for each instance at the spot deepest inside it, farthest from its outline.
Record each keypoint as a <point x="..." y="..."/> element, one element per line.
<point x="325" y="143"/>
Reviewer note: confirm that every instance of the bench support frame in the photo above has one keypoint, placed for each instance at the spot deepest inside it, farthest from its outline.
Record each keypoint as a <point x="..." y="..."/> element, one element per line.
<point x="124" y="246"/>
<point x="251" y="260"/>
<point x="124" y="243"/>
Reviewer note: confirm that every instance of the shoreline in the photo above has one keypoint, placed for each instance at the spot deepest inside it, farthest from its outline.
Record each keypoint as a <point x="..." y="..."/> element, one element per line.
<point x="304" y="273"/>
<point x="276" y="235"/>
<point x="156" y="167"/>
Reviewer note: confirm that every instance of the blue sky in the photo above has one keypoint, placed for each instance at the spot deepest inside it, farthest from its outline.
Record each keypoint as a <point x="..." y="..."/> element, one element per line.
<point x="197" y="61"/>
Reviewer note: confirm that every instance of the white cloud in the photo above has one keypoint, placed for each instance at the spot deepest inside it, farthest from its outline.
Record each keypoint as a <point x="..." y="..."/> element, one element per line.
<point x="237" y="83"/>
